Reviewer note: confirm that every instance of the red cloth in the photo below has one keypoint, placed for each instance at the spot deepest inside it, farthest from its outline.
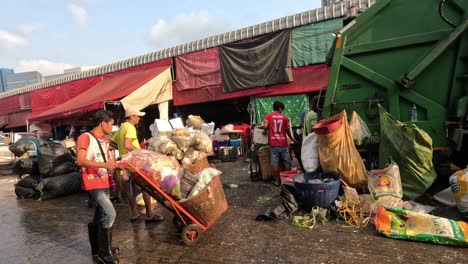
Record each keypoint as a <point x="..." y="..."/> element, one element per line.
<point x="46" y="99"/>
<point x="198" y="69"/>
<point x="277" y="125"/>
<point x="305" y="79"/>
<point x="109" y="89"/>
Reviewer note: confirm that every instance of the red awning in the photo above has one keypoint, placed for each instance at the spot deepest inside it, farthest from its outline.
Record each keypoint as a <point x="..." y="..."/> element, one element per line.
<point x="15" y="103"/>
<point x="107" y="90"/>
<point x="18" y="119"/>
<point x="305" y="79"/>
<point x="44" y="99"/>
<point x="3" y="120"/>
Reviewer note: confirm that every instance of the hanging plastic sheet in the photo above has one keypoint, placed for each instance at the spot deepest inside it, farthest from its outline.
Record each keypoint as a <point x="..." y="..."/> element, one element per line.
<point x="311" y="43"/>
<point x="262" y="61"/>
<point x="198" y="70"/>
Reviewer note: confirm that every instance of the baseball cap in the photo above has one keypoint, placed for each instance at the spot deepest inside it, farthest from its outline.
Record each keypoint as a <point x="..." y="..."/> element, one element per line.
<point x="131" y="110"/>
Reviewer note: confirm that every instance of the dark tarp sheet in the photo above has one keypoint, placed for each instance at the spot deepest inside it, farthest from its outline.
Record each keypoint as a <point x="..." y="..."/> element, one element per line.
<point x="311" y="43"/>
<point x="306" y="79"/>
<point x="294" y="105"/>
<point x="198" y="69"/>
<point x="262" y="61"/>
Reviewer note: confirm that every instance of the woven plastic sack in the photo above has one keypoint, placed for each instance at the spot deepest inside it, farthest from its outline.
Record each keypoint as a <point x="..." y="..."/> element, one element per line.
<point x="385" y="182"/>
<point x="411" y="148"/>
<point x="202" y="142"/>
<point x="164" y="170"/>
<point x="359" y="129"/>
<point x="338" y="155"/>
<point x="459" y="186"/>
<point x="403" y="224"/>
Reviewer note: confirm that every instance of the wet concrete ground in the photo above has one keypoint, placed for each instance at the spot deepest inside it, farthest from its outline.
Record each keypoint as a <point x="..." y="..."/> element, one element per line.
<point x="55" y="231"/>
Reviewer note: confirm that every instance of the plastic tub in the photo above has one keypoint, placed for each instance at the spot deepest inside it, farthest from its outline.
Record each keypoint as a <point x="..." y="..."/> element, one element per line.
<point x="312" y="194"/>
<point x="327" y="127"/>
<point x="287" y="176"/>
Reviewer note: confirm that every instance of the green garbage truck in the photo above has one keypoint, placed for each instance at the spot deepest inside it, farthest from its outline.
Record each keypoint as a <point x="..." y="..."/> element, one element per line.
<point x="411" y="57"/>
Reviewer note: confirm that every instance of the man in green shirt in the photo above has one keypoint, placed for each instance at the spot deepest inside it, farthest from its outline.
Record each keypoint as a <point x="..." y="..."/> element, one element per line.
<point x="310" y="117"/>
<point x="127" y="140"/>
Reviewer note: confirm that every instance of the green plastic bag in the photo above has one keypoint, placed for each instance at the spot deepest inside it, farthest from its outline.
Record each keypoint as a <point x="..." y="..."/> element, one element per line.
<point x="411" y="148"/>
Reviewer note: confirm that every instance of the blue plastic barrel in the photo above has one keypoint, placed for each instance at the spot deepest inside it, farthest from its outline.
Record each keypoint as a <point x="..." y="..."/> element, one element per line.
<point x="310" y="193"/>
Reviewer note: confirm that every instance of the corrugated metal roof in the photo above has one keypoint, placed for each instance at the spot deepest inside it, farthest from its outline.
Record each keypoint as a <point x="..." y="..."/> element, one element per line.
<point x="309" y="17"/>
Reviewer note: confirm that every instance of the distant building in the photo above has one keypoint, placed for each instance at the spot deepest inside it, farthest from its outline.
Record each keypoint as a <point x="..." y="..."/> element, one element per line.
<point x="18" y="80"/>
<point x="55" y="76"/>
<point x="3" y="82"/>
<point x="79" y="69"/>
<point x="329" y="2"/>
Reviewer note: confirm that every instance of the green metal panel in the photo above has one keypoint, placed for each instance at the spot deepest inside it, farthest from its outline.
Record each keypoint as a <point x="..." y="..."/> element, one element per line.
<point x="399" y="53"/>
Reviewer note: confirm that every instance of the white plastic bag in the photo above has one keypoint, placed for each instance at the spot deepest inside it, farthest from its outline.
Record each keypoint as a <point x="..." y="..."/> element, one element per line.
<point x="359" y="129"/>
<point x="310" y="153"/>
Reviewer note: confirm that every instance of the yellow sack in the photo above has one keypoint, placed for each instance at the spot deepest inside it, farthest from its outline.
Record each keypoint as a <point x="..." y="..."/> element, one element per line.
<point x="338" y="155"/>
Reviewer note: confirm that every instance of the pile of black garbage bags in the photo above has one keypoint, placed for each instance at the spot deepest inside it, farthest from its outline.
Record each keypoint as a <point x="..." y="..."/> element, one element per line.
<point x="47" y="169"/>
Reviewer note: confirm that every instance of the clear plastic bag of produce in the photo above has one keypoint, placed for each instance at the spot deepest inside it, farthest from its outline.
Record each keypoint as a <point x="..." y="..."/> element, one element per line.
<point x="192" y="156"/>
<point x="164" y="170"/>
<point x="202" y="142"/>
<point x="359" y="129"/>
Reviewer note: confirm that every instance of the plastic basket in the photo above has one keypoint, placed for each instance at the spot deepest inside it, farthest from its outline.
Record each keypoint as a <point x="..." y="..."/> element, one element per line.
<point x="209" y="204"/>
<point x="312" y="194"/>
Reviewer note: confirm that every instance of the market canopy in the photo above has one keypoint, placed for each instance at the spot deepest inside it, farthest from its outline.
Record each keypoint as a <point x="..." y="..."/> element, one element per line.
<point x="110" y="89"/>
<point x="15" y="103"/>
<point x="18" y="119"/>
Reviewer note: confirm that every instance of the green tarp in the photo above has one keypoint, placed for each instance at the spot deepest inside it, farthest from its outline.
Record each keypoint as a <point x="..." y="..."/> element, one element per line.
<point x="311" y="43"/>
<point x="411" y="148"/>
<point x="294" y="105"/>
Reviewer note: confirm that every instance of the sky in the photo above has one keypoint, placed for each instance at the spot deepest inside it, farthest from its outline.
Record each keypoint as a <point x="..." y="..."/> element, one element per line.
<point x="52" y="35"/>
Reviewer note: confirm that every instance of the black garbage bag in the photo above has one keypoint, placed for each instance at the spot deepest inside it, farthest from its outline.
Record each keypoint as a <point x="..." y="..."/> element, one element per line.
<point x="64" y="168"/>
<point x="51" y="155"/>
<point x="26" y="166"/>
<point x="53" y="187"/>
<point x="24" y="145"/>
<point x="29" y="181"/>
<point x="23" y="192"/>
<point x="288" y="196"/>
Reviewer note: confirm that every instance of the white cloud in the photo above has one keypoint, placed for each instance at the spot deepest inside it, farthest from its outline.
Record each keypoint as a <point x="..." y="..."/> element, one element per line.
<point x="79" y="14"/>
<point x="26" y="29"/>
<point x="45" y="67"/>
<point x="10" y="40"/>
<point x="185" y="28"/>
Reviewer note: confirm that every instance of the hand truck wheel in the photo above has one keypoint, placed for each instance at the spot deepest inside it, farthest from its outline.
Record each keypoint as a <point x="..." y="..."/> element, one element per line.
<point x="191" y="234"/>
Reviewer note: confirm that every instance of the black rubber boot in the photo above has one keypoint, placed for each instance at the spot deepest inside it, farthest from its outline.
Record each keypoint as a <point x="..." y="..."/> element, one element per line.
<point x="105" y="255"/>
<point x="93" y="238"/>
<point x="114" y="250"/>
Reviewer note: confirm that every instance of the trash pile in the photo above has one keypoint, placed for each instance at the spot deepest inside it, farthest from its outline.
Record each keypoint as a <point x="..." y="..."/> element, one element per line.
<point x="331" y="161"/>
<point x="47" y="169"/>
